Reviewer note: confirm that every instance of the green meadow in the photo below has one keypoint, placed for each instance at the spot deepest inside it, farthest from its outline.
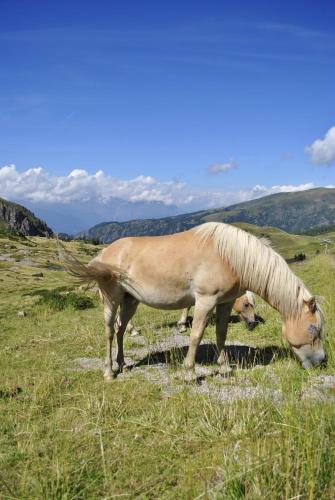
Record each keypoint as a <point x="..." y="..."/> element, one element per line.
<point x="268" y="431"/>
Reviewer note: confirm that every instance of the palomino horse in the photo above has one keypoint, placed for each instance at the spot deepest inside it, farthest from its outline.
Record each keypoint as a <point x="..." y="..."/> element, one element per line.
<point x="207" y="266"/>
<point x="244" y="306"/>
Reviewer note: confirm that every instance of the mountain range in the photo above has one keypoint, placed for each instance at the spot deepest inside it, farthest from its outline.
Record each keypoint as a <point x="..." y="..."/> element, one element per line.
<point x="77" y="216"/>
<point x="293" y="212"/>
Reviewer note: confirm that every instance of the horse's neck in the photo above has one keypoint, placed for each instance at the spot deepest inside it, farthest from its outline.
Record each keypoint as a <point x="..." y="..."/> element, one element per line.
<point x="288" y="301"/>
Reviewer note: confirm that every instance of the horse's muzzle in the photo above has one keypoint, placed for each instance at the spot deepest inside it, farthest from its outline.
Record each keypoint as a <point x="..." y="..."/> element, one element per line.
<point x="250" y="325"/>
<point x="315" y="359"/>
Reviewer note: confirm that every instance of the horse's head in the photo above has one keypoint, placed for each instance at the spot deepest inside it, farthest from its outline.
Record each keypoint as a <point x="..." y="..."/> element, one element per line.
<point x="305" y="334"/>
<point x="245" y="307"/>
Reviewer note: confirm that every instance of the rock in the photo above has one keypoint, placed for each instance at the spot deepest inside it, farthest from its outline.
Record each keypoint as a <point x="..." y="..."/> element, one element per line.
<point x="90" y="363"/>
<point x="55" y="267"/>
<point x="325" y="381"/>
<point x="231" y="393"/>
<point x="21" y="314"/>
<point x="22" y="221"/>
<point x="322" y="389"/>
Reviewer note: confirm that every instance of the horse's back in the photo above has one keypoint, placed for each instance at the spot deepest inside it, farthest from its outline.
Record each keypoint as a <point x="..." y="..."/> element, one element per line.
<point x="163" y="249"/>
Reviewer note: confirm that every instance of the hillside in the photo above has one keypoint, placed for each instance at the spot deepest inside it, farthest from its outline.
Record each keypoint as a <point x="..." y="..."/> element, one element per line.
<point x="18" y="220"/>
<point x="291" y="212"/>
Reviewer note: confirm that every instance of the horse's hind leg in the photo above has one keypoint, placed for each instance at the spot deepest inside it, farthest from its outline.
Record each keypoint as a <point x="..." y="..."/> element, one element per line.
<point x="110" y="308"/>
<point x="222" y="319"/>
<point x="203" y="307"/>
<point x="127" y="310"/>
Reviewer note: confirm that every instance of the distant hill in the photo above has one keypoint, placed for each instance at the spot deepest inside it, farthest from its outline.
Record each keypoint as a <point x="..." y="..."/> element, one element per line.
<point x="77" y="216"/>
<point x="292" y="212"/>
<point x="18" y="220"/>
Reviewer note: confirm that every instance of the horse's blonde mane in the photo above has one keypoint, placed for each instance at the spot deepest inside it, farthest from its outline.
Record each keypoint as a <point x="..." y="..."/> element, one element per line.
<point x="258" y="267"/>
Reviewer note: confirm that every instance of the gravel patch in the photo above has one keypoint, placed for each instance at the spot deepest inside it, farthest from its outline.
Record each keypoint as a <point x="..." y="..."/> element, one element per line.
<point x="154" y="363"/>
<point x="5" y="257"/>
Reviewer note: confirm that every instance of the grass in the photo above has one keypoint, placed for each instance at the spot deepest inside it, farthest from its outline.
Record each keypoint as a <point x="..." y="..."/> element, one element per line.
<point x="67" y="434"/>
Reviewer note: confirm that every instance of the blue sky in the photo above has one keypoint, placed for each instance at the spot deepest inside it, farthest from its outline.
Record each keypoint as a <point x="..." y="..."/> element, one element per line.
<point x="164" y="91"/>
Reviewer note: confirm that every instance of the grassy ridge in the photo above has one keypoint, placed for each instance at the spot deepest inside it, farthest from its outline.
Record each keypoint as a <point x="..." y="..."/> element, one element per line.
<point x="65" y="433"/>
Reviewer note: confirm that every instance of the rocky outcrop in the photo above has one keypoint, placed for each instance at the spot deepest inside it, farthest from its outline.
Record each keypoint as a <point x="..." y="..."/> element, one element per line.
<point x="18" y="219"/>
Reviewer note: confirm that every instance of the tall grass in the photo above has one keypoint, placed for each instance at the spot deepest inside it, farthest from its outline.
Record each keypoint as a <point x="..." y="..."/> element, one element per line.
<point x="65" y="433"/>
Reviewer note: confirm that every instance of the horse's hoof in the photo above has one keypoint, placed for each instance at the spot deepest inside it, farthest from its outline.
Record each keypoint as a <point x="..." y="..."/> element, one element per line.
<point x="185" y="375"/>
<point x="108" y="377"/>
<point x="225" y="371"/>
<point x="182" y="329"/>
<point x="190" y="377"/>
<point x="116" y="368"/>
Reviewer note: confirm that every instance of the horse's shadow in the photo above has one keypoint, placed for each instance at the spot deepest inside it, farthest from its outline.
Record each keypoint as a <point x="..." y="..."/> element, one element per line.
<point x="234" y="318"/>
<point x="241" y="356"/>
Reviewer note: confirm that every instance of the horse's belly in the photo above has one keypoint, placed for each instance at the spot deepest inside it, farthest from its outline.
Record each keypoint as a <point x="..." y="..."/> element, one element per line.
<point x="164" y="299"/>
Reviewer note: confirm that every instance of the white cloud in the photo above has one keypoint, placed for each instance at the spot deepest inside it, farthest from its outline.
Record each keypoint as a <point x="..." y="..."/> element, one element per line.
<point x="217" y="168"/>
<point x="260" y="190"/>
<point x="36" y="185"/>
<point x="322" y="151"/>
<point x="257" y="191"/>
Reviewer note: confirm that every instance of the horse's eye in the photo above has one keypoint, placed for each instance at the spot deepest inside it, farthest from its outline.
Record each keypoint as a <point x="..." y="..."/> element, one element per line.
<point x="313" y="330"/>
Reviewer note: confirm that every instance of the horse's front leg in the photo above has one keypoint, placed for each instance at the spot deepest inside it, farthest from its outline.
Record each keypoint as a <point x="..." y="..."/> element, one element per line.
<point x="222" y="319"/>
<point x="183" y="320"/>
<point x="127" y="310"/>
<point x="203" y="307"/>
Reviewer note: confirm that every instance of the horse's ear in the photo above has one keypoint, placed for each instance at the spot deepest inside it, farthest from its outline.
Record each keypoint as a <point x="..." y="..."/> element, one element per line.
<point x="311" y="303"/>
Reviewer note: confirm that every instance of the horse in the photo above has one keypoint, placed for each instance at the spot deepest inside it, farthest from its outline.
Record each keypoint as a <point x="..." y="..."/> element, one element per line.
<point x="207" y="266"/>
<point x="244" y="306"/>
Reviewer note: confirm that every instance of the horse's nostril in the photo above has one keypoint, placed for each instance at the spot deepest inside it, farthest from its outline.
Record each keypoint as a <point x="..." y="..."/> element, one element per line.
<point x="318" y="358"/>
<point x="323" y="363"/>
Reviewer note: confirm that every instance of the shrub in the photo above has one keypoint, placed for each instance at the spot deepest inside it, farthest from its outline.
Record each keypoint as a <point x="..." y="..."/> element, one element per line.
<point x="299" y="257"/>
<point x="58" y="301"/>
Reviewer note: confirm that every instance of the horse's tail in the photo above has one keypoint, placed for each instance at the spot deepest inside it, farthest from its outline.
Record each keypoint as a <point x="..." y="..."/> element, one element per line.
<point x="95" y="270"/>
